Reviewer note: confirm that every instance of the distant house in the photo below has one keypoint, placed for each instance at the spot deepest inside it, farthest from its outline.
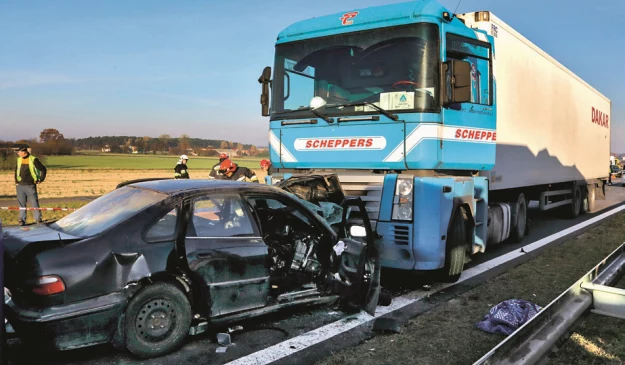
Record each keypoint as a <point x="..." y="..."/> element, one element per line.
<point x="106" y="148"/>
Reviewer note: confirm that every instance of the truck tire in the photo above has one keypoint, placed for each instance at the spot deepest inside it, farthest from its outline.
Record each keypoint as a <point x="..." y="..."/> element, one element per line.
<point x="588" y="204"/>
<point x="158" y="319"/>
<point x="455" y="249"/>
<point x="575" y="207"/>
<point x="519" y="219"/>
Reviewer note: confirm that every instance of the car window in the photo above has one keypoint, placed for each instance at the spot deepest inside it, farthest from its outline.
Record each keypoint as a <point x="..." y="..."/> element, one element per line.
<point x="107" y="211"/>
<point x="219" y="216"/>
<point x="164" y="227"/>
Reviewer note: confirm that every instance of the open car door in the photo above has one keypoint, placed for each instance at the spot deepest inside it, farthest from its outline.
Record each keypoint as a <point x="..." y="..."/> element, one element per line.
<point x="360" y="261"/>
<point x="357" y="253"/>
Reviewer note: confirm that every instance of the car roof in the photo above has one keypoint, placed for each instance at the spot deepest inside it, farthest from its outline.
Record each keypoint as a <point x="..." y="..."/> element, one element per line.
<point x="172" y="186"/>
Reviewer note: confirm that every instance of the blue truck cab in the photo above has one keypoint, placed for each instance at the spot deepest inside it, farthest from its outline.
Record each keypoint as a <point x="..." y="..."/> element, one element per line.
<point x="399" y="102"/>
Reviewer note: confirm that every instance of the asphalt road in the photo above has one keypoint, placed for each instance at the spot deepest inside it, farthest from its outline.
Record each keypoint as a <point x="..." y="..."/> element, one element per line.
<point x="261" y="333"/>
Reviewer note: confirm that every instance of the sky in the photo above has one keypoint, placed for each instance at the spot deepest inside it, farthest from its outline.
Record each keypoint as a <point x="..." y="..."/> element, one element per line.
<point x="150" y="67"/>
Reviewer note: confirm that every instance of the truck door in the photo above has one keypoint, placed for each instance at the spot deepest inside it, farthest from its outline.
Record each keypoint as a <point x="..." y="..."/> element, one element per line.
<point x="226" y="253"/>
<point x="469" y="133"/>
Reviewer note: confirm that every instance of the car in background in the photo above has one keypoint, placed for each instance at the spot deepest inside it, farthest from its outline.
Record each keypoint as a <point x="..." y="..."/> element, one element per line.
<point x="151" y="262"/>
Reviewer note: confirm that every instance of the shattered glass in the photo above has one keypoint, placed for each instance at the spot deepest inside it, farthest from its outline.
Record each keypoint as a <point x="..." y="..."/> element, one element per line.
<point x="332" y="213"/>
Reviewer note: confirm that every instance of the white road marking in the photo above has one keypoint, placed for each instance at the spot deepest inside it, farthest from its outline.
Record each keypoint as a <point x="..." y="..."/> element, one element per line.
<point x="303" y="341"/>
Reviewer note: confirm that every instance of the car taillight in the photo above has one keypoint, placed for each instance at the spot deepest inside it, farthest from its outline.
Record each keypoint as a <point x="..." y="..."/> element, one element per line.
<point x="48" y="285"/>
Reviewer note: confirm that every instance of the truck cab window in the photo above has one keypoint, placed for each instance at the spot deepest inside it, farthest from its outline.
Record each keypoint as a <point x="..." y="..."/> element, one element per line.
<point x="478" y="55"/>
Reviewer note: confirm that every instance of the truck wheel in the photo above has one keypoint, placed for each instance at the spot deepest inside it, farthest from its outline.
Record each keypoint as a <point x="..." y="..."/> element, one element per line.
<point x="455" y="250"/>
<point x="158" y="319"/>
<point x="588" y="203"/>
<point x="576" y="203"/>
<point x="519" y="219"/>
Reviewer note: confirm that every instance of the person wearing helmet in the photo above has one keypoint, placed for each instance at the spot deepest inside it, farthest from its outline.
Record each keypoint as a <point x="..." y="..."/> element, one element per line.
<point x="181" y="171"/>
<point x="232" y="171"/>
<point x="266" y="166"/>
<point x="215" y="174"/>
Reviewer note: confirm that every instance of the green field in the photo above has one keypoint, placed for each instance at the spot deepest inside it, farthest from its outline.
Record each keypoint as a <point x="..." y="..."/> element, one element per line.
<point x="138" y="162"/>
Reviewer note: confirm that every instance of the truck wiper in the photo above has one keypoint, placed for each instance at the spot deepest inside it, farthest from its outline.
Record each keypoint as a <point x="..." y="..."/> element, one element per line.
<point x="315" y="112"/>
<point x="363" y="103"/>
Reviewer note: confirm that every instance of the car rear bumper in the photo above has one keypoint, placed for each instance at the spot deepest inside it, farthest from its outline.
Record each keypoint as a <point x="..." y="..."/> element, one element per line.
<point x="69" y="326"/>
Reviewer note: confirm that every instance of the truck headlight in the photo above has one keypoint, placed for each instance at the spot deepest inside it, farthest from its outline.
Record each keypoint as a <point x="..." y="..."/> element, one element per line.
<point x="402" y="202"/>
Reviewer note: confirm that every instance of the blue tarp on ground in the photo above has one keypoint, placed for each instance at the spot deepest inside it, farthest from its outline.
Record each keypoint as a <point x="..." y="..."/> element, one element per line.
<point x="507" y="316"/>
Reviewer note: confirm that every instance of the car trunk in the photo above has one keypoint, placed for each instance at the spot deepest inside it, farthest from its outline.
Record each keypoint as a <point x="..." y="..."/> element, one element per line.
<point x="22" y="248"/>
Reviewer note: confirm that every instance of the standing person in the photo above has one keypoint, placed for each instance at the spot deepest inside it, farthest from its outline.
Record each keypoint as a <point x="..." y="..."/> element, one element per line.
<point x="232" y="171"/>
<point x="181" y="171"/>
<point x="215" y="174"/>
<point x="28" y="173"/>
<point x="266" y="166"/>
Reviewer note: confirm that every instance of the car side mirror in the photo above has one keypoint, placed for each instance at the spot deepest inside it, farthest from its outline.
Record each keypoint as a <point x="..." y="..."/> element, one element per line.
<point x="357" y="231"/>
<point x="455" y="82"/>
<point x="265" y="80"/>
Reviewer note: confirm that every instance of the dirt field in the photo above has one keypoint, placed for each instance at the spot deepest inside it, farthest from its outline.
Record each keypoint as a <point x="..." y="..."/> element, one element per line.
<point x="448" y="335"/>
<point x="66" y="183"/>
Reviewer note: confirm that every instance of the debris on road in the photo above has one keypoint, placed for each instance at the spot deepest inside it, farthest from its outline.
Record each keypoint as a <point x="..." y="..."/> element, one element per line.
<point x="224" y="339"/>
<point x="221" y="350"/>
<point x="508" y="315"/>
<point x="235" y="328"/>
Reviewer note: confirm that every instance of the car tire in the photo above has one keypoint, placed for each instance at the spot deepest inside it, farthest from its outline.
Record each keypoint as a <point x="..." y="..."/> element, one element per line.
<point x="455" y="249"/>
<point x="158" y="319"/>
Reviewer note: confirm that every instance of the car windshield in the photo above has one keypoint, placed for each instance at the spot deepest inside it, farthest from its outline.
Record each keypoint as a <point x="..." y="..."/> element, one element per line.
<point x="394" y="68"/>
<point x="107" y="211"/>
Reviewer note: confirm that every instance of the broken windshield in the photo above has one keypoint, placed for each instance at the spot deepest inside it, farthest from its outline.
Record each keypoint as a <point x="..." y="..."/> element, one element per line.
<point x="394" y="68"/>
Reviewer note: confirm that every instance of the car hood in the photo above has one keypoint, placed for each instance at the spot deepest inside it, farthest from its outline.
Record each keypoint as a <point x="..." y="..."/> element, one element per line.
<point x="15" y="239"/>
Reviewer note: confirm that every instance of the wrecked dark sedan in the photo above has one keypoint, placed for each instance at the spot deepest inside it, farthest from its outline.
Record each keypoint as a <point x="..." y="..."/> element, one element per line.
<point x="152" y="262"/>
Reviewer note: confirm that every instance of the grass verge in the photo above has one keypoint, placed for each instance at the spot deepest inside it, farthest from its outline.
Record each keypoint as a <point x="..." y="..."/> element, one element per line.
<point x="10" y="217"/>
<point x="448" y="335"/>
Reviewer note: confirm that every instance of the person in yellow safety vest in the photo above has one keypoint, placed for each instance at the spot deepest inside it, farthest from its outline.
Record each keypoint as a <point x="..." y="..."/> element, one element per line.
<point x="215" y="174"/>
<point x="28" y="173"/>
<point x="232" y="171"/>
<point x="181" y="171"/>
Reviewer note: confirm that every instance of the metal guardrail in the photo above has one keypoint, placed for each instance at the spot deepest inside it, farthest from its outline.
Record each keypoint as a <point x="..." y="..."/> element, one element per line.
<point x="532" y="342"/>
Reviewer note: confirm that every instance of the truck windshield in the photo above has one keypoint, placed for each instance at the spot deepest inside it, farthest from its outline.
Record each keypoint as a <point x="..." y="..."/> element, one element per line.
<point x="394" y="68"/>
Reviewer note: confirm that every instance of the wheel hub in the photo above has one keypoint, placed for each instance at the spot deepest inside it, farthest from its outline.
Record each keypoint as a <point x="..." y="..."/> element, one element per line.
<point x="155" y="320"/>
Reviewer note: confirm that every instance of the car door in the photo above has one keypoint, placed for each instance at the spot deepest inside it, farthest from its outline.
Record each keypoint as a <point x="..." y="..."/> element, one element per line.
<point x="224" y="249"/>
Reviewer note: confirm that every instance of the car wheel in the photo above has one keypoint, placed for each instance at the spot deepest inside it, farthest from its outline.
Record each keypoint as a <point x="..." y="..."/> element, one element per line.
<point x="158" y="319"/>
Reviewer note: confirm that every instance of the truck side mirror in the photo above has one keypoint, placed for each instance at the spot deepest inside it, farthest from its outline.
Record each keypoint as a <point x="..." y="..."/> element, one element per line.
<point x="265" y="79"/>
<point x="455" y="82"/>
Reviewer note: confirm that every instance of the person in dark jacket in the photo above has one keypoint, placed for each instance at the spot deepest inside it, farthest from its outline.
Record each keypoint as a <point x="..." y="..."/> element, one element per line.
<point x="181" y="171"/>
<point x="215" y="174"/>
<point x="28" y="173"/>
<point x="232" y="171"/>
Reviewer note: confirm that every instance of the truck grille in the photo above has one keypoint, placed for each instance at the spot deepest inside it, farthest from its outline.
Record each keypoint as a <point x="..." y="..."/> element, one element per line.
<point x="366" y="186"/>
<point x="400" y="234"/>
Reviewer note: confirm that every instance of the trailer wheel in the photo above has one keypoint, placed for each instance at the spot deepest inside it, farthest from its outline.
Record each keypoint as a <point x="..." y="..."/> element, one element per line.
<point x="588" y="203"/>
<point x="455" y="250"/>
<point x="576" y="204"/>
<point x="519" y="219"/>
